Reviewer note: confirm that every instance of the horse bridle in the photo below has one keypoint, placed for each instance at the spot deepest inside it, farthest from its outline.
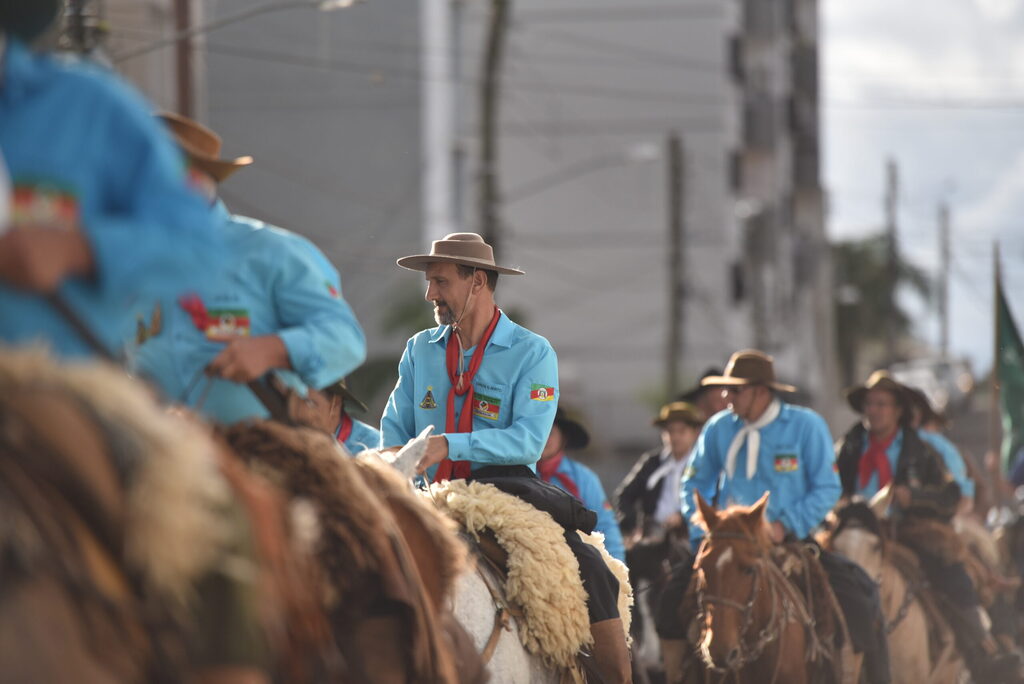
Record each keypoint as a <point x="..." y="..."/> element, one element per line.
<point x="745" y="653"/>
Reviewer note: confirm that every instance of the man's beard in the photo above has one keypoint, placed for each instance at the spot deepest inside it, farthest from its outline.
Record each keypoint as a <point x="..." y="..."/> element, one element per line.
<point x="443" y="314"/>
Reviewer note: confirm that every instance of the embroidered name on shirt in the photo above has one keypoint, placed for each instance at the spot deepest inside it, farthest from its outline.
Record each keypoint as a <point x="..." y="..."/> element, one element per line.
<point x="786" y="463"/>
<point x="542" y="393"/>
<point x="487" y="407"/>
<point x="428" y="400"/>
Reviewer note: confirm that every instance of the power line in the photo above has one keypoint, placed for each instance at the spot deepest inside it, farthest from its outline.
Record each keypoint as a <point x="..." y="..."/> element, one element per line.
<point x="980" y="104"/>
<point x="631" y="13"/>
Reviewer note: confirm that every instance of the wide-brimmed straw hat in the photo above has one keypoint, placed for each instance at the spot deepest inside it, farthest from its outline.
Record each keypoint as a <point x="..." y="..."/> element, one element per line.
<point x="468" y="249"/>
<point x="682" y="411"/>
<point x="748" y="367"/>
<point x="341" y="389"/>
<point x="202" y="146"/>
<point x="880" y="379"/>
<point x="571" y="425"/>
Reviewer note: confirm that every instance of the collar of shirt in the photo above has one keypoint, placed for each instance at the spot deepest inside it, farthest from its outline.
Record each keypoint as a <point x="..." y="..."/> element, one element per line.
<point x="220" y="211"/>
<point x="502" y="335"/>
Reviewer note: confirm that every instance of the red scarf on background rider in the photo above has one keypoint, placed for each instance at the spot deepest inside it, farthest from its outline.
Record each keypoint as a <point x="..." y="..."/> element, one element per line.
<point x="876" y="459"/>
<point x="548" y="469"/>
<point x="462" y="384"/>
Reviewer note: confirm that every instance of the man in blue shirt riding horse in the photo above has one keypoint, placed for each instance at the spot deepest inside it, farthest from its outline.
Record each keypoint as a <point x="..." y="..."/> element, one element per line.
<point x="489" y="388"/>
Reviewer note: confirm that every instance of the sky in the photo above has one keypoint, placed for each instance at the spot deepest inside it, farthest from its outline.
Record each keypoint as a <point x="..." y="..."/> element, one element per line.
<point x="937" y="86"/>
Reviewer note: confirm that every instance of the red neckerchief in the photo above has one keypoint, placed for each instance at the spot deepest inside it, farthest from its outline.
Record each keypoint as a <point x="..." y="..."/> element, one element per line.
<point x="462" y="385"/>
<point x="195" y="308"/>
<point x="344" y="428"/>
<point x="548" y="468"/>
<point x="876" y="459"/>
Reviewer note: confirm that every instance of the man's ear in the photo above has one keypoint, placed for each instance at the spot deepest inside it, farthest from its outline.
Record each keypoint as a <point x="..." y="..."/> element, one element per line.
<point x="479" y="281"/>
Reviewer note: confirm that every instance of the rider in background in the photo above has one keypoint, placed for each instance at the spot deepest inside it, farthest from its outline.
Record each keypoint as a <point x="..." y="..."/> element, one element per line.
<point x="648" y="504"/>
<point x="763" y="444"/>
<point x="100" y="210"/>
<point x="568" y="434"/>
<point x="276" y="307"/>
<point x="883" y="450"/>
<point x="930" y="427"/>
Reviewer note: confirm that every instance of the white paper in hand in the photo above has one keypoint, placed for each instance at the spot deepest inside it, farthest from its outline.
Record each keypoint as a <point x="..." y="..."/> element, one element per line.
<point x="408" y="456"/>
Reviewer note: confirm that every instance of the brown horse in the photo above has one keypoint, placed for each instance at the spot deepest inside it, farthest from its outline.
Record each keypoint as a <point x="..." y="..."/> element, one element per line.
<point x="753" y="624"/>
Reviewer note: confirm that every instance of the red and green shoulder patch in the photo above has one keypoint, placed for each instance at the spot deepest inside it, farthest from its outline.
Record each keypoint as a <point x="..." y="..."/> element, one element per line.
<point x="542" y="392"/>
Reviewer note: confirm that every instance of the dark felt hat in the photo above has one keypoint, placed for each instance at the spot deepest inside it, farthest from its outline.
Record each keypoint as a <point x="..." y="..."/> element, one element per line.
<point x="340" y="389"/>
<point x="571" y="425"/>
<point x="748" y="367"/>
<point x="880" y="379"/>
<point x="681" y="411"/>
<point x="27" y="19"/>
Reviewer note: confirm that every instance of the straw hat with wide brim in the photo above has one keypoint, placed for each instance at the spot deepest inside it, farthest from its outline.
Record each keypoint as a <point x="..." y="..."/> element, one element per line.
<point x="340" y="389"/>
<point x="682" y="411"/>
<point x="202" y="146"/>
<point x="748" y="367"/>
<point x="571" y="425"/>
<point x="880" y="379"/>
<point x="468" y="249"/>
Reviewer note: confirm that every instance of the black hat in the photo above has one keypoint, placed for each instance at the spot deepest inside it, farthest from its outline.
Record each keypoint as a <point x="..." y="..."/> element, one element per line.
<point x="340" y="389"/>
<point x="576" y="436"/>
<point x="27" y="19"/>
<point x="923" y="406"/>
<point x="693" y="394"/>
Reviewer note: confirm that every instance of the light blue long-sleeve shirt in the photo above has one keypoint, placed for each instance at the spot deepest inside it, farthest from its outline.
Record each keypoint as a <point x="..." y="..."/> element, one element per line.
<point x="272" y="286"/>
<point x="795" y="462"/>
<point x="947" y="450"/>
<point x="517" y="381"/>
<point x="591" y="493"/>
<point x="83" y="149"/>
<point x="363" y="437"/>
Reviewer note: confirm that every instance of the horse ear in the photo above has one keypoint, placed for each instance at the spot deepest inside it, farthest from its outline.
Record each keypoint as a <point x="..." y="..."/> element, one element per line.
<point x="706" y="515"/>
<point x="757" y="510"/>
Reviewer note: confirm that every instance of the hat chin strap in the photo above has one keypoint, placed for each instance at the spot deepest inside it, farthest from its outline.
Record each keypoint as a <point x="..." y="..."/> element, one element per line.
<point x="456" y="328"/>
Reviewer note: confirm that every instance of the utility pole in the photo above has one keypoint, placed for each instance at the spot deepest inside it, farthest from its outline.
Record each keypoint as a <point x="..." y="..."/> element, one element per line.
<point x="76" y="26"/>
<point x="891" y="195"/>
<point x="676" y="265"/>
<point x="944" y="280"/>
<point x="183" y="56"/>
<point x="490" y="223"/>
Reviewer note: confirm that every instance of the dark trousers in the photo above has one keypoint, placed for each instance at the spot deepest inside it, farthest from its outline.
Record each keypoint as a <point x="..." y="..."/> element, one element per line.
<point x="600" y="583"/>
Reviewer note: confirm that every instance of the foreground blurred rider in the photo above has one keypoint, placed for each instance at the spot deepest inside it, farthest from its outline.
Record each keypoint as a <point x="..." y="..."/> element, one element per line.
<point x="277" y="306"/>
<point x="490" y="388"/>
<point x="101" y="212"/>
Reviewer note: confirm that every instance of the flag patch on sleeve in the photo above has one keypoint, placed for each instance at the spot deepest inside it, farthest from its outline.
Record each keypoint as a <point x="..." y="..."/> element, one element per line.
<point x="542" y="392"/>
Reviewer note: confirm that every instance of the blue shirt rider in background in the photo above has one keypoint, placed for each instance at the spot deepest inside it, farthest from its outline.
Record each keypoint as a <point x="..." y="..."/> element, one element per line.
<point x="568" y="434"/>
<point x="930" y="426"/>
<point x="274" y="308"/>
<point x="100" y="211"/>
<point x="883" y="449"/>
<point x="490" y="390"/>
<point x="762" y="444"/>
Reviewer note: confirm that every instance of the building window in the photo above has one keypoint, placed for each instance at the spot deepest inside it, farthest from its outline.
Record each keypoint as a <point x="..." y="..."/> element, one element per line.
<point x="738" y="282"/>
<point x="735" y="171"/>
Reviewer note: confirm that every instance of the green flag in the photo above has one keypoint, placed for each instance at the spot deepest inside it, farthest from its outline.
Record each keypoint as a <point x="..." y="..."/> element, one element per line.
<point x="1010" y="375"/>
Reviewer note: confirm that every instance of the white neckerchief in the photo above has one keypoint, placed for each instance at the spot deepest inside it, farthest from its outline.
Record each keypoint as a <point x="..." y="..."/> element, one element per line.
<point x="752" y="433"/>
<point x="667" y="465"/>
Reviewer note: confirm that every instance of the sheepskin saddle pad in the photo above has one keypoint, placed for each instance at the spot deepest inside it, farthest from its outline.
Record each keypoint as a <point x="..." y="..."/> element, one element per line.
<point x="543" y="578"/>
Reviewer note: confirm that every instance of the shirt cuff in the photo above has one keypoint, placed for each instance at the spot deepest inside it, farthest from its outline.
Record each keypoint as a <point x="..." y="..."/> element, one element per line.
<point x="301" y="354"/>
<point x="458" y="446"/>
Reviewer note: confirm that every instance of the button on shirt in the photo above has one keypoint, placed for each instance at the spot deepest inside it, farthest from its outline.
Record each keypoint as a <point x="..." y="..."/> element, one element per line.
<point x="951" y="457"/>
<point x="83" y="149"/>
<point x="272" y="286"/>
<point x="795" y="462"/>
<point x="593" y="497"/>
<point x="516" y="390"/>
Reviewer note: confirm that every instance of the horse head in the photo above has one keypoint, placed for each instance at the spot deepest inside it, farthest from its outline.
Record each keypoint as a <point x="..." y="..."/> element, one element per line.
<point x="730" y="586"/>
<point x="856" y="532"/>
